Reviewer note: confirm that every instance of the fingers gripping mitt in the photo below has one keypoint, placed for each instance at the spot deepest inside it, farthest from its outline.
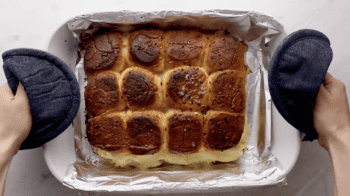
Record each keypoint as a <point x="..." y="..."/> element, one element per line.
<point x="296" y="72"/>
<point x="52" y="89"/>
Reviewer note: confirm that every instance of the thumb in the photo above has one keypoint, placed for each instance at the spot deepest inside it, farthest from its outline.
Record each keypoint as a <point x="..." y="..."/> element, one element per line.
<point x="329" y="81"/>
<point x="21" y="94"/>
<point x="328" y="78"/>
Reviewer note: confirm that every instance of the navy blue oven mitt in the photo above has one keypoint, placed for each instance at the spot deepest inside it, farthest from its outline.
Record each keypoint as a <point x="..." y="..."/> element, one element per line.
<point x="296" y="72"/>
<point x="52" y="89"/>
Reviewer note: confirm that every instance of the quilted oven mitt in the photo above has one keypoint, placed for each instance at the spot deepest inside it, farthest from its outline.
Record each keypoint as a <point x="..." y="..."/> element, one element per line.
<point x="296" y="73"/>
<point x="52" y="90"/>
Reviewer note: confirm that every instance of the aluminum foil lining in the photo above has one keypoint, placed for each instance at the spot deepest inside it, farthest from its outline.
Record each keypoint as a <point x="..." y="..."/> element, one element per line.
<point x="256" y="167"/>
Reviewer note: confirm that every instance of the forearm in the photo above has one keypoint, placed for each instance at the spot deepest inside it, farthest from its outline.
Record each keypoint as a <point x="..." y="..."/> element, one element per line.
<point x="4" y="165"/>
<point x="339" y="150"/>
<point x="7" y="150"/>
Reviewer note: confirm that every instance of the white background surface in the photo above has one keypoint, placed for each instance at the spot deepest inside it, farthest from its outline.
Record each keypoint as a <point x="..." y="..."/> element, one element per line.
<point x="31" y="24"/>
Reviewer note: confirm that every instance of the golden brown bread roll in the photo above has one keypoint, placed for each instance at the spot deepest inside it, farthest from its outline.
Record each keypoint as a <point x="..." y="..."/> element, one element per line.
<point x="145" y="49"/>
<point x="103" y="93"/>
<point x="184" y="132"/>
<point x="186" y="88"/>
<point x="225" y="53"/>
<point x="227" y="91"/>
<point x="141" y="90"/>
<point x="108" y="132"/>
<point x="184" y="47"/>
<point x="222" y="130"/>
<point x="103" y="52"/>
<point x="145" y="134"/>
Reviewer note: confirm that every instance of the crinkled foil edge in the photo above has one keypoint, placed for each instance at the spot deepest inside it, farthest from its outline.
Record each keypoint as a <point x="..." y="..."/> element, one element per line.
<point x="256" y="167"/>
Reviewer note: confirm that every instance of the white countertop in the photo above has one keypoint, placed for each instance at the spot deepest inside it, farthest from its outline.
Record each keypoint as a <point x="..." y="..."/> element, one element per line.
<point x="31" y="24"/>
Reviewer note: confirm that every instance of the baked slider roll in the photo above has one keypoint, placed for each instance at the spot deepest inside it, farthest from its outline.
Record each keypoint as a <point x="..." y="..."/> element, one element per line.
<point x="103" y="93"/>
<point x="227" y="91"/>
<point x="184" y="131"/>
<point x="145" y="50"/>
<point x="184" y="48"/>
<point x="103" y="52"/>
<point x="141" y="90"/>
<point x="225" y="53"/>
<point x="108" y="132"/>
<point x="145" y="132"/>
<point x="186" y="89"/>
<point x="222" y="130"/>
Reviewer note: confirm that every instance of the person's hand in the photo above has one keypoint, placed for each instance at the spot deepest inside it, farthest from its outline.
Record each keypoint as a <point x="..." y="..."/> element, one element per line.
<point x="15" y="119"/>
<point x="331" y="111"/>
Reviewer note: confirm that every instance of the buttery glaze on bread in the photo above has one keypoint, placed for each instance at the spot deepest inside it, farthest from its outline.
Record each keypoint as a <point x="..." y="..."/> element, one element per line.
<point x="175" y="96"/>
<point x="228" y="91"/>
<point x="103" y="52"/>
<point x="108" y="132"/>
<point x="225" y="53"/>
<point x="144" y="49"/>
<point x="185" y="131"/>
<point x="186" y="88"/>
<point x="184" y="47"/>
<point x="103" y="93"/>
<point x="222" y="130"/>
<point x="141" y="89"/>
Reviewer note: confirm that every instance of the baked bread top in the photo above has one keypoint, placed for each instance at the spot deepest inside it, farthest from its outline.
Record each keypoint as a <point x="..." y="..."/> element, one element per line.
<point x="166" y="93"/>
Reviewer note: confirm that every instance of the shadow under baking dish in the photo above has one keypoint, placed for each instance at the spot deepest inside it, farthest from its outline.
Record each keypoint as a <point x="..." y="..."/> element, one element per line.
<point x="59" y="153"/>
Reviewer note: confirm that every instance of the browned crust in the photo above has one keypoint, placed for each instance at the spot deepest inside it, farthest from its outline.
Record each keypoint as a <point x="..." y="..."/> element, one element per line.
<point x="187" y="88"/>
<point x="144" y="134"/>
<point x="185" y="133"/>
<point x="145" y="46"/>
<point x="107" y="133"/>
<point x="228" y="92"/>
<point x="101" y="94"/>
<point x="101" y="52"/>
<point x="226" y="53"/>
<point x="139" y="88"/>
<point x="223" y="131"/>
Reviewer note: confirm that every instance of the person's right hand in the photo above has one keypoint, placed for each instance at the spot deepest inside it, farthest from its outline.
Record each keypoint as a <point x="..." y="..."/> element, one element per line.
<point x="15" y="119"/>
<point x="331" y="111"/>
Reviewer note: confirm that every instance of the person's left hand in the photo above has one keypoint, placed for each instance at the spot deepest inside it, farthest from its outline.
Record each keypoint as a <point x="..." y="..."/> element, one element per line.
<point x="15" y="119"/>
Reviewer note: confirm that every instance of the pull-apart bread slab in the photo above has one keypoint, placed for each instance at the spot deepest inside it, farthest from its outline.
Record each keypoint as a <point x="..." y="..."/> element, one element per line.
<point x="173" y="96"/>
